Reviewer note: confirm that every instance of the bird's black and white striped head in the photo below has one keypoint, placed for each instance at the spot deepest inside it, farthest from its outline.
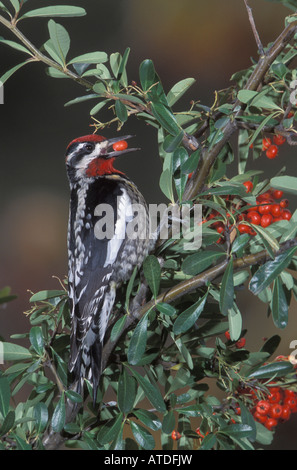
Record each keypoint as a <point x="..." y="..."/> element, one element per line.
<point x="91" y="156"/>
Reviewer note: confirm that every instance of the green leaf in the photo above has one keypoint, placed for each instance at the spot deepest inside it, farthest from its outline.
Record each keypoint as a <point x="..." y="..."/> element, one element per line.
<point x="4" y="396"/>
<point x="271" y="345"/>
<point x="279" y="305"/>
<point x="148" y="418"/>
<point x="247" y="418"/>
<point x="166" y="309"/>
<point x="187" y="318"/>
<point x="152" y="273"/>
<point x="151" y="391"/>
<point x="110" y="431"/>
<point x="15" y="45"/>
<point x="121" y="111"/>
<point x="285" y="183"/>
<point x="270" y="270"/>
<point x="56" y="73"/>
<point x="198" y="262"/>
<point x="80" y="99"/>
<point x="36" y="339"/>
<point x="41" y="416"/>
<point x="238" y="430"/>
<point x="274" y="369"/>
<point x="14" y="352"/>
<point x="142" y="436"/>
<point x="235" y="322"/>
<point x="227" y="289"/>
<point x="129" y="289"/>
<point x="21" y="444"/>
<point x="165" y="118"/>
<point x="168" y="422"/>
<point x="46" y="295"/>
<point x="147" y="74"/>
<point x="10" y="72"/>
<point x="60" y="39"/>
<point x="264" y="436"/>
<point x="179" y="157"/>
<point x="7" y="423"/>
<point x="137" y="344"/>
<point x="90" y="58"/>
<point x="117" y="327"/>
<point x="74" y="396"/>
<point x="98" y="107"/>
<point x="122" y="74"/>
<point x="166" y="184"/>
<point x="126" y="392"/>
<point x="171" y="143"/>
<point x="16" y="5"/>
<point x="59" y="415"/>
<point x="52" y="11"/>
<point x="3" y="8"/>
<point x="179" y="89"/>
<point x="259" y="100"/>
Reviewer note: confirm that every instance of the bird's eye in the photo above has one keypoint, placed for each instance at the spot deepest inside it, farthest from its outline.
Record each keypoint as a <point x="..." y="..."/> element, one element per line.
<point x="89" y="147"/>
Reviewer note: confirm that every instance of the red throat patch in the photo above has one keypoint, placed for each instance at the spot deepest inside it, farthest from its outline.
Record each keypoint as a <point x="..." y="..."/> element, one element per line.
<point x="101" y="166"/>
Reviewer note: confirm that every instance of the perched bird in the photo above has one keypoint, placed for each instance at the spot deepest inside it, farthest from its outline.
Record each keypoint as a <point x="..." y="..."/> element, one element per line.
<point x="102" y="253"/>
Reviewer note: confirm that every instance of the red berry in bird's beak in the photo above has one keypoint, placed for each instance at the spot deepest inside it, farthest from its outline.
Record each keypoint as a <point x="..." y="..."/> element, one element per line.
<point x="120" y="146"/>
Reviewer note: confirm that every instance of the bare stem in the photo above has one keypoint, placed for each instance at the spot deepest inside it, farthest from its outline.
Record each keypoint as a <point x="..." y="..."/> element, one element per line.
<point x="254" y="29"/>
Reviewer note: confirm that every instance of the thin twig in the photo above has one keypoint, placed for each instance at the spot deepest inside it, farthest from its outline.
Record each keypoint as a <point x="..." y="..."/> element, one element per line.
<point x="254" y="29"/>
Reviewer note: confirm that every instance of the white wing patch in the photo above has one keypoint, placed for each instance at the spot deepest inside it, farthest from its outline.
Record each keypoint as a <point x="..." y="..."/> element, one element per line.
<point x="125" y="214"/>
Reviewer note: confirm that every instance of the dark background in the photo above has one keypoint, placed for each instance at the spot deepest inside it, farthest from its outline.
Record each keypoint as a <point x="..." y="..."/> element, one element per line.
<point x="207" y="40"/>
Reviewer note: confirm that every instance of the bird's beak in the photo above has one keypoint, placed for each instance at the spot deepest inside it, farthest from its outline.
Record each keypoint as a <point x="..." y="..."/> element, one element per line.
<point x="111" y="153"/>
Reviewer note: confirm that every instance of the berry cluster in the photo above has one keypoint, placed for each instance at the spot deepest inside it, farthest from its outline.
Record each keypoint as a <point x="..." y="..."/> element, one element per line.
<point x="276" y="408"/>
<point x="271" y="207"/>
<point x="271" y="148"/>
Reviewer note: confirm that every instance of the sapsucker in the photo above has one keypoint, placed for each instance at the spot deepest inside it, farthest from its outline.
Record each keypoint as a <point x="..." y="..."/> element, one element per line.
<point x="102" y="252"/>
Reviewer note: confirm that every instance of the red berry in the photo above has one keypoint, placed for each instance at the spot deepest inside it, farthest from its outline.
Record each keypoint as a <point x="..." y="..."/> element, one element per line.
<point x="286" y="214"/>
<point x="286" y="412"/>
<point x="249" y="186"/>
<point x="190" y="175"/>
<point x="264" y="208"/>
<point x="240" y="343"/>
<point x="265" y="196"/>
<point x="254" y="217"/>
<point x="279" y="139"/>
<point x="284" y="203"/>
<point x="220" y="229"/>
<point x="276" y="411"/>
<point x="266" y="220"/>
<point x="260" y="418"/>
<point x="276" y="210"/>
<point x="272" y="152"/>
<point x="175" y="435"/>
<point x="289" y="393"/>
<point x="274" y="389"/>
<point x="227" y="335"/>
<point x="266" y="143"/>
<point x="243" y="228"/>
<point x="274" y="397"/>
<point x="292" y="403"/>
<point x="277" y="194"/>
<point x="120" y="146"/>
<point x="263" y="407"/>
<point x="238" y="411"/>
<point x="270" y="423"/>
<point x="252" y="232"/>
<point x="200" y="434"/>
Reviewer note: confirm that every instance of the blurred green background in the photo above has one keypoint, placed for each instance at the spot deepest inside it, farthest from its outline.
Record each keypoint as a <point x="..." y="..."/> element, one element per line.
<point x="208" y="40"/>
